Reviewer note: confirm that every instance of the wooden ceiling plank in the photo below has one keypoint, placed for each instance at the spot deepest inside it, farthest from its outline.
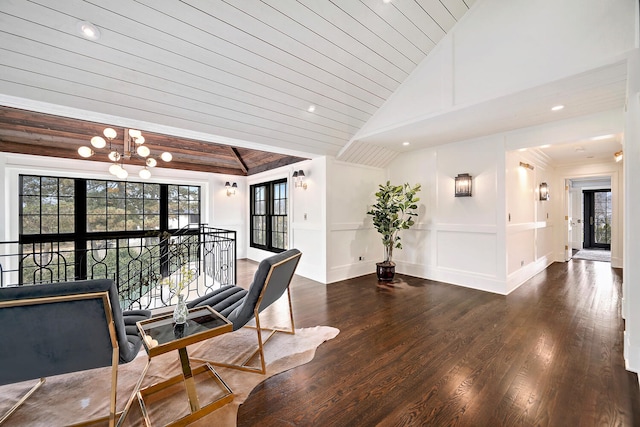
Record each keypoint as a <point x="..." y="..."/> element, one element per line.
<point x="243" y="166"/>
<point x="273" y="165"/>
<point x="34" y="133"/>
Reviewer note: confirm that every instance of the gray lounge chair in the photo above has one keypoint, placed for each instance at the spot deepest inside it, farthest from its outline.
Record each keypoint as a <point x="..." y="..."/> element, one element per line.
<point x="239" y="305"/>
<point x="65" y="327"/>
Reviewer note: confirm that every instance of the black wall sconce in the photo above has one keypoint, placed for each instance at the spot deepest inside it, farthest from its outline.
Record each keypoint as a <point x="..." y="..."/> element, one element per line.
<point x="544" y="191"/>
<point x="231" y="188"/>
<point x="298" y="179"/>
<point x="463" y="185"/>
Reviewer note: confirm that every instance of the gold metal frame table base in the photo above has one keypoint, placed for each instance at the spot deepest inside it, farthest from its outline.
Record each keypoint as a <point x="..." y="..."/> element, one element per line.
<point x="198" y="411"/>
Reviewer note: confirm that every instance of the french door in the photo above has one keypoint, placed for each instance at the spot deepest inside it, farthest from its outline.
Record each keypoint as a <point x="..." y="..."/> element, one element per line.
<point x="597" y="219"/>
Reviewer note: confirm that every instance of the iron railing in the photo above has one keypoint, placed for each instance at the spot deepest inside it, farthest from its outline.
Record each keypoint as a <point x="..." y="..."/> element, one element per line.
<point x="142" y="267"/>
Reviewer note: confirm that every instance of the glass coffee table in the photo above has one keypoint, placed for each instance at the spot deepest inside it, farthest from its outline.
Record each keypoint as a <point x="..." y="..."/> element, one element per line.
<point x="161" y="335"/>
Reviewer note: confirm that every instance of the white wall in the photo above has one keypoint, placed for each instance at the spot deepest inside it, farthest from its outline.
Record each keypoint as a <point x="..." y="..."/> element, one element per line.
<point x="455" y="239"/>
<point x="308" y="213"/>
<point x="353" y="245"/>
<point x="631" y="272"/>
<point x="530" y="221"/>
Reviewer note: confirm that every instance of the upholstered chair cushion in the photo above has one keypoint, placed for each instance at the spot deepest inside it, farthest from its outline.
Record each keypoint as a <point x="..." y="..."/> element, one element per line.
<point x="237" y="304"/>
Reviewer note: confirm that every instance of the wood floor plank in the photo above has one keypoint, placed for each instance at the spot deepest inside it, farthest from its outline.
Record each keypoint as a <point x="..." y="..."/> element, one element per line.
<point x="429" y="353"/>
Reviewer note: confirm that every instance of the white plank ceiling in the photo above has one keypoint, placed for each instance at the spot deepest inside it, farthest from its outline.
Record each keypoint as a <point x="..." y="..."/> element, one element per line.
<point x="235" y="71"/>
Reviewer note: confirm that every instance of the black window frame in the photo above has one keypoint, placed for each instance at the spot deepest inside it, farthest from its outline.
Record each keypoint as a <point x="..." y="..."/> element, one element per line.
<point x="270" y="215"/>
<point x="80" y="236"/>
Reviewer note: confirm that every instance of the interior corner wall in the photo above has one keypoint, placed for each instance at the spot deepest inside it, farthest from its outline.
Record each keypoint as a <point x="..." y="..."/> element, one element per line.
<point x="631" y="271"/>
<point x="530" y="221"/>
<point x="227" y="211"/>
<point x="353" y="245"/>
<point x="307" y="211"/>
<point x="456" y="239"/>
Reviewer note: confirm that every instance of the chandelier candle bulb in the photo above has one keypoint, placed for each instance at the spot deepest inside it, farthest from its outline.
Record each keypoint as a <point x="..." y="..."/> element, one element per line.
<point x="110" y="133"/>
<point x="143" y="151"/>
<point x="114" y="156"/>
<point x="98" y="142"/>
<point x="85" y="151"/>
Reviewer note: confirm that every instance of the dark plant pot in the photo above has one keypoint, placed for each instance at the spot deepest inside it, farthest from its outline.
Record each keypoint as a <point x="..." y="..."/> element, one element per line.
<point x="385" y="270"/>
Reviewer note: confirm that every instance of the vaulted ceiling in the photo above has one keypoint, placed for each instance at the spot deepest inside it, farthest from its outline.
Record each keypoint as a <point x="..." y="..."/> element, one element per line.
<point x="226" y="76"/>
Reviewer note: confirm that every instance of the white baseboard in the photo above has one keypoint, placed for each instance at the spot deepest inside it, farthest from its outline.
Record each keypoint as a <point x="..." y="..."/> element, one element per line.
<point x="616" y="262"/>
<point x="517" y="278"/>
<point x="481" y="282"/>
<point x="349" y="271"/>
<point x="631" y="355"/>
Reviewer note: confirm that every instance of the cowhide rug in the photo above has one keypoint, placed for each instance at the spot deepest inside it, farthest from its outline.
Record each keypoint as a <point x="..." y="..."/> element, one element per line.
<point x="72" y="398"/>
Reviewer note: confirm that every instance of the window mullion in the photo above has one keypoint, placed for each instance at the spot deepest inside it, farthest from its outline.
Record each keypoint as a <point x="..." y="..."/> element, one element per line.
<point x="80" y="228"/>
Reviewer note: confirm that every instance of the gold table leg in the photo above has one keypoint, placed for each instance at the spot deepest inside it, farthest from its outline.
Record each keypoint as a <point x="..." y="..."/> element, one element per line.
<point x="188" y="380"/>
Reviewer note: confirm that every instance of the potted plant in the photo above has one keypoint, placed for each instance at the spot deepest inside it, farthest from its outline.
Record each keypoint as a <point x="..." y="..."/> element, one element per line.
<point x="393" y="211"/>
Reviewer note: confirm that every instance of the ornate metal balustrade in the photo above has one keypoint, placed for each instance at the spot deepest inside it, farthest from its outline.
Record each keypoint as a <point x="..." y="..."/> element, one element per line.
<point x="142" y="267"/>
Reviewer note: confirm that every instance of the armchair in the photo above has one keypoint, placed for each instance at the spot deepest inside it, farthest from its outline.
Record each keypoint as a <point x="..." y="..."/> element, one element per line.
<point x="270" y="281"/>
<point x="65" y="327"/>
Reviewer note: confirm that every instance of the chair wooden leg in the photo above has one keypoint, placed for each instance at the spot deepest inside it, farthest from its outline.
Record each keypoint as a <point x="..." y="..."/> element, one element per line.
<point x="22" y="400"/>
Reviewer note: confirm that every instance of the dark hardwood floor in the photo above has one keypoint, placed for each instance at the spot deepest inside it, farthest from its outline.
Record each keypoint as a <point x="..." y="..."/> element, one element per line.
<point x="429" y="353"/>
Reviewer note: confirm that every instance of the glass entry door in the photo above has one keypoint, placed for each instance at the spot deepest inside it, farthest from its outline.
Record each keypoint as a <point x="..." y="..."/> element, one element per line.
<point x="597" y="219"/>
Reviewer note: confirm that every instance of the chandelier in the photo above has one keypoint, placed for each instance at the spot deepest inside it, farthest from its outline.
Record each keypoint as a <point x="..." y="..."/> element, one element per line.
<point x="133" y="146"/>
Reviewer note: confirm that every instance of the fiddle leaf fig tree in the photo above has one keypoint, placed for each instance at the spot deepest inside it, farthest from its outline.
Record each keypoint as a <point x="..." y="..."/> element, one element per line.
<point x="393" y="211"/>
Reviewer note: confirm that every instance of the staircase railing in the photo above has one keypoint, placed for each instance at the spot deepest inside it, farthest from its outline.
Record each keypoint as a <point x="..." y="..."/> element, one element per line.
<point x="142" y="267"/>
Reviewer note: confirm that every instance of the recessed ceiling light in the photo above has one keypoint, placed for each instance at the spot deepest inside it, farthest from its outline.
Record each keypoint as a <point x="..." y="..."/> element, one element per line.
<point x="406" y="143"/>
<point x="557" y="108"/>
<point x="522" y="149"/>
<point x="311" y="108"/>
<point x="386" y="1"/>
<point x="545" y="146"/>
<point x="601" y="137"/>
<point x="88" y="30"/>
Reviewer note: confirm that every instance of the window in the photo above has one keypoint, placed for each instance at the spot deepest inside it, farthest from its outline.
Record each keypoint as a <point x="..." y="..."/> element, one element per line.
<point x="122" y="206"/>
<point x="78" y="228"/>
<point x="46" y="205"/>
<point x="268" y="222"/>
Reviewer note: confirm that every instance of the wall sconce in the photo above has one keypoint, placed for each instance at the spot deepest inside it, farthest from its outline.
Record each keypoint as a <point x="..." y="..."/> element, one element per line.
<point x="526" y="165"/>
<point x="544" y="191"/>
<point x="463" y="185"/>
<point x="231" y="188"/>
<point x="618" y="156"/>
<point x="298" y="179"/>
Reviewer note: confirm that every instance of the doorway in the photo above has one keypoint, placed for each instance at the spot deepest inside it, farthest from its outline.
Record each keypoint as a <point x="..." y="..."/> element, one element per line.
<point x="597" y="219"/>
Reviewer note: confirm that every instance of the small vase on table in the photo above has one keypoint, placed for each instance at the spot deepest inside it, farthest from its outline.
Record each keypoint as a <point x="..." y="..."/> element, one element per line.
<point x="181" y="311"/>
